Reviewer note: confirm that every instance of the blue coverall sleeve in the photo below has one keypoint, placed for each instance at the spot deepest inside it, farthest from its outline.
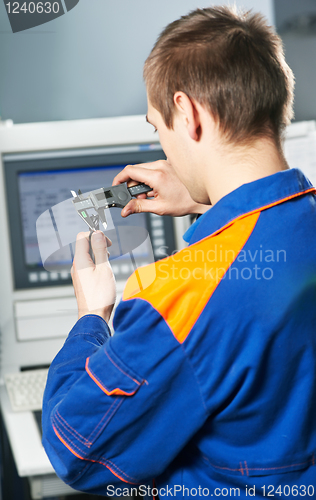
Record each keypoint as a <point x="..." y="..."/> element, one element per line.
<point x="119" y="409"/>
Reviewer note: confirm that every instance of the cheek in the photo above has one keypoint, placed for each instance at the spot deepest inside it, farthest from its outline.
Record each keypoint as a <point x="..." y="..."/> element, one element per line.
<point x="166" y="146"/>
<point x="173" y="149"/>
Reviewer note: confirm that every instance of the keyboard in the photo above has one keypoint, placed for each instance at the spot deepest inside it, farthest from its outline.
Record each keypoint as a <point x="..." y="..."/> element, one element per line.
<point x="26" y="389"/>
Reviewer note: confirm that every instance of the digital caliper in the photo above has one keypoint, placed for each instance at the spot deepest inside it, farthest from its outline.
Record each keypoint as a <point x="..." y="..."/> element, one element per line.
<point x="100" y="199"/>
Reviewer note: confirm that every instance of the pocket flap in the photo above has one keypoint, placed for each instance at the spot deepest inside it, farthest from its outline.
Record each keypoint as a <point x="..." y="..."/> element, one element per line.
<point x="113" y="376"/>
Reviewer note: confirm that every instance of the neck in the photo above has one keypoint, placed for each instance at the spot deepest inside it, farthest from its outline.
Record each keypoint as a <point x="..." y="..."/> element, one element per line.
<point x="230" y="167"/>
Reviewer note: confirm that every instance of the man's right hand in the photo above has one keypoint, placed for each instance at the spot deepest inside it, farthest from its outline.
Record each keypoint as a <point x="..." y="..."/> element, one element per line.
<point x="169" y="195"/>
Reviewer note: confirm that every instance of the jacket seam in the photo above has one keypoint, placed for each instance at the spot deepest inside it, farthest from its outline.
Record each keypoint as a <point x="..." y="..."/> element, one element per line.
<point x="246" y="468"/>
<point x="196" y="378"/>
<point x="218" y="284"/>
<point x="272" y="204"/>
<point x="96" y="336"/>
<point x="92" y="458"/>
<point x="96" y="431"/>
<point x="121" y="370"/>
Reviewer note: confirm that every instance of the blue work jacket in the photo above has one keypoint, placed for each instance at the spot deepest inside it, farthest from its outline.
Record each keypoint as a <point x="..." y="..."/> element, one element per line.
<point x="209" y="382"/>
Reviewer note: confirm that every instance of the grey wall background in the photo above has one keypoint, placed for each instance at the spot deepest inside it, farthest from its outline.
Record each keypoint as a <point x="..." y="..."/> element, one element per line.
<point x="87" y="63"/>
<point x="296" y="22"/>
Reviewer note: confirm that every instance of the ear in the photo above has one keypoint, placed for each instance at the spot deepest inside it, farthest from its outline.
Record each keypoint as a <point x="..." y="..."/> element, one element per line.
<point x="189" y="113"/>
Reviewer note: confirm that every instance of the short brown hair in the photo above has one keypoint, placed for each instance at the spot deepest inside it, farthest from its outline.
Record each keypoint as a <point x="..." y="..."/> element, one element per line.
<point x="232" y="63"/>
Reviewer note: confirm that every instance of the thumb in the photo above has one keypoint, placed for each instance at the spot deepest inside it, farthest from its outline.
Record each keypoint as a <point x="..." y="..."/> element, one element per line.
<point x="99" y="245"/>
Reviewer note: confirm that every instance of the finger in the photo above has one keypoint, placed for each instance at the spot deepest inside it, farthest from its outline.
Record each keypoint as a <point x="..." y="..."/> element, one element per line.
<point x="99" y="247"/>
<point x="136" y="173"/>
<point x="132" y="183"/>
<point x="82" y="258"/>
<point x="143" y="196"/>
<point x="108" y="242"/>
<point x="137" y="206"/>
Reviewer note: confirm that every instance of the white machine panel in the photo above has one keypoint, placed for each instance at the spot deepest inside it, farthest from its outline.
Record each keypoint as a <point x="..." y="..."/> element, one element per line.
<point x="36" y="317"/>
<point x="46" y="318"/>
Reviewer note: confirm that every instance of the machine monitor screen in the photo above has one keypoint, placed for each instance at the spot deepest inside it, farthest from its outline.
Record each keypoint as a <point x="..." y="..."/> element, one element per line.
<point x="44" y="223"/>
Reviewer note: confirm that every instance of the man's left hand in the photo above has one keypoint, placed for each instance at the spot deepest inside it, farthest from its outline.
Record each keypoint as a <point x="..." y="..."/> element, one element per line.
<point x="94" y="284"/>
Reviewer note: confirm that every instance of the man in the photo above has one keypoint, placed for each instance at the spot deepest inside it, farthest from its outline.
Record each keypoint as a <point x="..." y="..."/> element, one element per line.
<point x="208" y="384"/>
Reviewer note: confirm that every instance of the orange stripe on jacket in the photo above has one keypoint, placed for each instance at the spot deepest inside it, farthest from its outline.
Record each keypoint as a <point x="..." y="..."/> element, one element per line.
<point x="185" y="281"/>
<point x="182" y="303"/>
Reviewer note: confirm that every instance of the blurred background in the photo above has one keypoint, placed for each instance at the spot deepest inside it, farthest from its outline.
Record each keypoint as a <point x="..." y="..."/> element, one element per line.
<point x="88" y="64"/>
<point x="295" y="22"/>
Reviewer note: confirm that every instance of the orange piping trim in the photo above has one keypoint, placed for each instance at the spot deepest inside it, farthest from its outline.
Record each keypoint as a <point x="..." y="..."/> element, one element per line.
<point x="265" y="207"/>
<point x="88" y="460"/>
<point x="67" y="446"/>
<point x="114" y="392"/>
<point x="155" y="487"/>
<point x="127" y="295"/>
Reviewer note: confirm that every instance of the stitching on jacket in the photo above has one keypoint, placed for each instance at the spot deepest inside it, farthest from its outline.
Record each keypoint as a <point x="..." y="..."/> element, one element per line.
<point x="72" y="431"/>
<point x="283" y="466"/>
<point x="99" y="428"/>
<point x="85" y="467"/>
<point x="311" y="460"/>
<point x="121" y="370"/>
<point x="260" y="209"/>
<point x="240" y="469"/>
<point x="108" y="392"/>
<point x="246" y="467"/>
<point x="96" y="431"/>
<point x="96" y="336"/>
<point x="123" y="474"/>
<point x="117" y="468"/>
<point x="93" y="458"/>
<point x="182" y="344"/>
<point x="61" y="430"/>
<point x="206" y="291"/>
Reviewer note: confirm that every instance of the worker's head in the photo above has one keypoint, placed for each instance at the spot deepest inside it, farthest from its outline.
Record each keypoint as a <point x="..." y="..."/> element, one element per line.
<point x="230" y="63"/>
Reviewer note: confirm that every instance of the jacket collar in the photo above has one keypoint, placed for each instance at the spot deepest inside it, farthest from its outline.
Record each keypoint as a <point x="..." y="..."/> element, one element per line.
<point x="250" y="197"/>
